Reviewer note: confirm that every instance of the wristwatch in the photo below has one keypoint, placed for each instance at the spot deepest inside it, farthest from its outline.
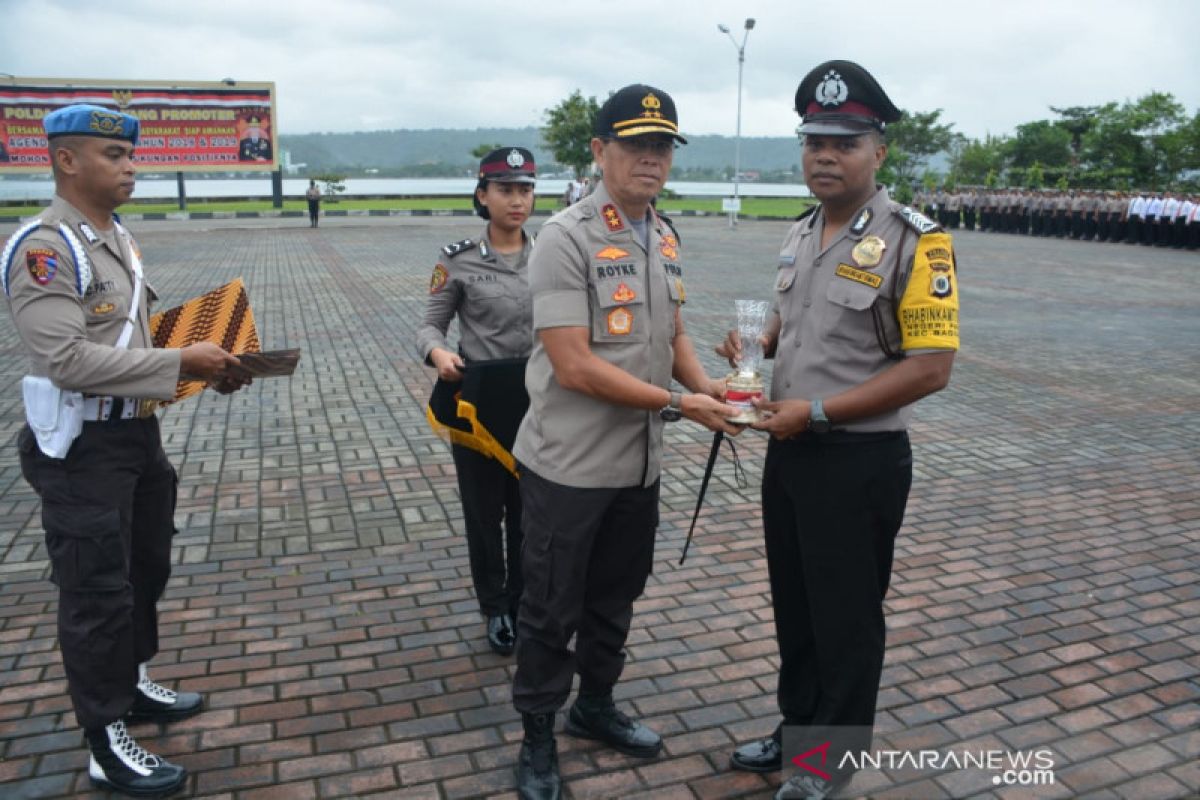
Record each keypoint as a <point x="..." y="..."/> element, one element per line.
<point x="817" y="421"/>
<point x="673" y="410"/>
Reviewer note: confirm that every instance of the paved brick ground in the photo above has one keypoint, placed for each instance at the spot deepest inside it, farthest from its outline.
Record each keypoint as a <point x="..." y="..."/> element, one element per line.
<point x="1045" y="592"/>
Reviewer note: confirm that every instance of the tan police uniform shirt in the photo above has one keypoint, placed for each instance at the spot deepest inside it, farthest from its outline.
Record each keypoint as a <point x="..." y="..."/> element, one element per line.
<point x="590" y="270"/>
<point x="490" y="294"/>
<point x="889" y="270"/>
<point x="70" y="321"/>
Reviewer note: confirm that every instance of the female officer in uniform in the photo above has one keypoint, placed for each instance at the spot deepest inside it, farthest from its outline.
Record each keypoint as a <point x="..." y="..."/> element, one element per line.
<point x="483" y="282"/>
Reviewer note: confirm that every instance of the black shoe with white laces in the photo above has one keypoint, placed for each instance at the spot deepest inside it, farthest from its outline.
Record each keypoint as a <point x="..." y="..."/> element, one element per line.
<point x="154" y="703"/>
<point x="122" y="765"/>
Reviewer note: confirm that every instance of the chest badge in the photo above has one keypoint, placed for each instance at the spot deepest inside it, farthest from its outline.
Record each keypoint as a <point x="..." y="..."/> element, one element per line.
<point x="680" y="291"/>
<point x="669" y="247"/>
<point x="784" y="281"/>
<point x="103" y="308"/>
<point x="620" y="321"/>
<point x="612" y="254"/>
<point x="624" y="294"/>
<point x="869" y="252"/>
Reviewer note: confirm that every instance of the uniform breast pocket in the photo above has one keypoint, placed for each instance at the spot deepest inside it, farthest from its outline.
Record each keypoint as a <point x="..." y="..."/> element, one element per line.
<point x="492" y="300"/>
<point x="785" y="278"/>
<point x="849" y="310"/>
<point x="619" y="311"/>
<point x="487" y="291"/>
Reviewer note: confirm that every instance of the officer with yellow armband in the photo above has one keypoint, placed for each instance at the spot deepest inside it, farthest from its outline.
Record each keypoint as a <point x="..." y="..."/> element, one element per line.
<point x="865" y="324"/>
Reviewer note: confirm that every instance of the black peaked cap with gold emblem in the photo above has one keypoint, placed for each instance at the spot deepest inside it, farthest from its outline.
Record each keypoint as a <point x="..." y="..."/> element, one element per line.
<point x="840" y="98"/>
<point x="637" y="110"/>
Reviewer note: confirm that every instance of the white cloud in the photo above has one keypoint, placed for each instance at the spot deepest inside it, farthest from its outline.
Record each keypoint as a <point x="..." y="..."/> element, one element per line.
<point x="370" y="64"/>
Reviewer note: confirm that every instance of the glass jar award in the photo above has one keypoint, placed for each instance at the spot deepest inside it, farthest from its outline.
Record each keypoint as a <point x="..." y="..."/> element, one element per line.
<point x="744" y="385"/>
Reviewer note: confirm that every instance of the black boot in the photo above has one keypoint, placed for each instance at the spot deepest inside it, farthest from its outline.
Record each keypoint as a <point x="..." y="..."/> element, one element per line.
<point x="595" y="716"/>
<point x="501" y="634"/>
<point x="154" y="703"/>
<point x="537" y="765"/>
<point x="122" y="765"/>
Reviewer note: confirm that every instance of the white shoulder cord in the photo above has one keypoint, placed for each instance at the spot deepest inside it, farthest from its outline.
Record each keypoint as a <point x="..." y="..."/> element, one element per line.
<point x="136" y="263"/>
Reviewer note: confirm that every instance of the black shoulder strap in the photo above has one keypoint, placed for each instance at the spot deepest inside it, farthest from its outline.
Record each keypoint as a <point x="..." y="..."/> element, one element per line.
<point x="451" y="250"/>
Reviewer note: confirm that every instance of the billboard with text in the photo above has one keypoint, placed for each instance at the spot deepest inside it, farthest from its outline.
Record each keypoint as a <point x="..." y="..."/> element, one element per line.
<point x="185" y="127"/>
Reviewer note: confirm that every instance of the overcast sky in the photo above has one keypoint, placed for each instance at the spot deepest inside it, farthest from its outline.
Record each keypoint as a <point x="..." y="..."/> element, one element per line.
<point x="345" y="65"/>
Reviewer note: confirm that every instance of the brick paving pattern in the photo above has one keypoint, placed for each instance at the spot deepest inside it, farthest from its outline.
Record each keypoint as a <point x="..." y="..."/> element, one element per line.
<point x="1046" y="588"/>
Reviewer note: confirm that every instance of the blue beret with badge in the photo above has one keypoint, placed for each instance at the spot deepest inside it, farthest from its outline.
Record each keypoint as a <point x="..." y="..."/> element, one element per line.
<point x="88" y="120"/>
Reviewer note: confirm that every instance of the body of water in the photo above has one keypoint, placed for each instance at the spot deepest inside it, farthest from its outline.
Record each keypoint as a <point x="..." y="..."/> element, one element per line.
<point x="152" y="188"/>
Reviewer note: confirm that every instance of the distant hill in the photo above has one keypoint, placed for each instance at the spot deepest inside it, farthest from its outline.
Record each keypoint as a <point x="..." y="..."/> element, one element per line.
<point x="447" y="152"/>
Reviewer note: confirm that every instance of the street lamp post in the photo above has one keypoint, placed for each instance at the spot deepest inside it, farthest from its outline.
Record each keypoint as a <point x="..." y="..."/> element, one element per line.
<point x="737" y="142"/>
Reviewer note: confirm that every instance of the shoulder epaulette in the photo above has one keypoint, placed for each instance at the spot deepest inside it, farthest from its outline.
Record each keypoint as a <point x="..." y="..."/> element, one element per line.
<point x="670" y="224"/>
<point x="917" y="221"/>
<point x="808" y="211"/>
<point x="451" y="250"/>
<point x="83" y="267"/>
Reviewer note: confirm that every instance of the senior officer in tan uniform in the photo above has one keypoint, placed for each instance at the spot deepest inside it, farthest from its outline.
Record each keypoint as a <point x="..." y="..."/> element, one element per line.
<point x="607" y="286"/>
<point x="79" y="300"/>
<point x="484" y="282"/>
<point x="866" y="324"/>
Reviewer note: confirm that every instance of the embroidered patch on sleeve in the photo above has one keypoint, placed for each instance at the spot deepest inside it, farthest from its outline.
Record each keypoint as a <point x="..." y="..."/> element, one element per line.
<point x="42" y="264"/>
<point x="438" y="279"/>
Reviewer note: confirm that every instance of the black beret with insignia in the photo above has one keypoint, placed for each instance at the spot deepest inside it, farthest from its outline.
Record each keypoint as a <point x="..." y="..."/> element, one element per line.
<point x="637" y="110"/>
<point x="840" y="98"/>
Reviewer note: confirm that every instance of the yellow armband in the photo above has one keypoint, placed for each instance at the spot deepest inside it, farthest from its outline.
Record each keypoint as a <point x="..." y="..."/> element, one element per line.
<point x="928" y="311"/>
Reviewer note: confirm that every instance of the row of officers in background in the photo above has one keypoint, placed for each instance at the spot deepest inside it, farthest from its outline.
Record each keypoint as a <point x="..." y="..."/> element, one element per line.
<point x="1165" y="219"/>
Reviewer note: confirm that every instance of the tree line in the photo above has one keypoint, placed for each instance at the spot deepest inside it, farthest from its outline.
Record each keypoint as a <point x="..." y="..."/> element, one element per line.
<point x="1149" y="143"/>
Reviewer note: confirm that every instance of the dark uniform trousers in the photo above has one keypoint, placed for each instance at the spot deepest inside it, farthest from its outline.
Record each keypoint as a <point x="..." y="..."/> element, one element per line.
<point x="491" y="495"/>
<point x="832" y="506"/>
<point x="108" y="513"/>
<point x="586" y="558"/>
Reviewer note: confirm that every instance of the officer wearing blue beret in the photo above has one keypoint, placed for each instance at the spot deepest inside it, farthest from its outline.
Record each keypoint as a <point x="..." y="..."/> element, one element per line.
<point x="91" y="448"/>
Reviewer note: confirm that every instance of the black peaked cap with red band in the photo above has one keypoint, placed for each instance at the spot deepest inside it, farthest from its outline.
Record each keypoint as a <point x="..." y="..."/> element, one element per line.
<point x="840" y="98"/>
<point x="508" y="165"/>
